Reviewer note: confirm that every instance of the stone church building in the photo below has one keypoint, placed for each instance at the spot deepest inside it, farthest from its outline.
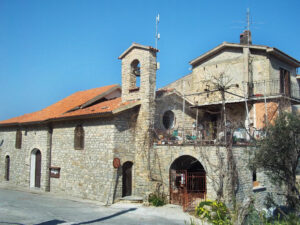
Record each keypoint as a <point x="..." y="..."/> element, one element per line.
<point x="115" y="141"/>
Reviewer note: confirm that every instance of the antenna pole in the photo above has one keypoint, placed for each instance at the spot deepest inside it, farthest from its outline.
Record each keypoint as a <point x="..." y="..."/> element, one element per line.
<point x="157" y="35"/>
<point x="248" y="19"/>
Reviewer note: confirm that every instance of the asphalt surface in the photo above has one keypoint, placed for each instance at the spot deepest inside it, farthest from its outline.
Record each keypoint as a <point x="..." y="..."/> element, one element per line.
<point x="19" y="207"/>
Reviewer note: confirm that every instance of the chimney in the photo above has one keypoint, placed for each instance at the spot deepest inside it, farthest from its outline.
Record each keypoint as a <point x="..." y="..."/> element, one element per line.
<point x="245" y="38"/>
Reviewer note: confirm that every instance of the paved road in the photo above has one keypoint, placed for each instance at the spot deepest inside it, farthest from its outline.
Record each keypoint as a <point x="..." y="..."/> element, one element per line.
<point x="18" y="207"/>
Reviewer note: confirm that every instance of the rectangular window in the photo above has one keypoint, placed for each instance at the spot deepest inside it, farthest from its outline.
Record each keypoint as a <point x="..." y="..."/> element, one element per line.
<point x="18" y="144"/>
<point x="79" y="137"/>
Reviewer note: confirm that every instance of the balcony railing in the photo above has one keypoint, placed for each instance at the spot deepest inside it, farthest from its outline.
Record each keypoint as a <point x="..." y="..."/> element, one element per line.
<point x="210" y="135"/>
<point x="274" y="88"/>
<point x="269" y="88"/>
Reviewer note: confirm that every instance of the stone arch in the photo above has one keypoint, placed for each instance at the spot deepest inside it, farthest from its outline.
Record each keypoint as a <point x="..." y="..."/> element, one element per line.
<point x="192" y="154"/>
<point x="127" y="178"/>
<point x="7" y="167"/>
<point x="187" y="180"/>
<point x="187" y="162"/>
<point x="35" y="168"/>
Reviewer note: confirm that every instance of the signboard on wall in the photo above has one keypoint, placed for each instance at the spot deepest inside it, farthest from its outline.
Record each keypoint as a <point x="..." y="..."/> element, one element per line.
<point x="54" y="172"/>
<point x="116" y="163"/>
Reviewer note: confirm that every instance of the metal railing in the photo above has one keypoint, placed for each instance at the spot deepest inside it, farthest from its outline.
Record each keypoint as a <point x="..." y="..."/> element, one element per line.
<point x="273" y="88"/>
<point x="187" y="188"/>
<point x="261" y="88"/>
<point x="208" y="135"/>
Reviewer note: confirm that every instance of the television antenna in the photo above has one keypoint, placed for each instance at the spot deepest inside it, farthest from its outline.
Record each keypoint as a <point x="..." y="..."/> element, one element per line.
<point x="157" y="37"/>
<point x="249" y="22"/>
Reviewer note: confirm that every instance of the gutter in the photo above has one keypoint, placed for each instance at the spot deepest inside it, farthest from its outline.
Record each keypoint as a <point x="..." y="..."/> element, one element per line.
<point x="283" y="56"/>
<point x="66" y="118"/>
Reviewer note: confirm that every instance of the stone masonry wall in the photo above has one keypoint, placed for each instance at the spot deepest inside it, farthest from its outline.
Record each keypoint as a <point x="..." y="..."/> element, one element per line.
<point x="124" y="148"/>
<point x="210" y="157"/>
<point x="173" y="103"/>
<point x="20" y="161"/>
<point x="84" y="173"/>
<point x="233" y="63"/>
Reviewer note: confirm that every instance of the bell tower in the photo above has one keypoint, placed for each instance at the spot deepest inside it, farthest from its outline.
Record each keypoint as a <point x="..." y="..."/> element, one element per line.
<point x="138" y="73"/>
<point x="139" y="84"/>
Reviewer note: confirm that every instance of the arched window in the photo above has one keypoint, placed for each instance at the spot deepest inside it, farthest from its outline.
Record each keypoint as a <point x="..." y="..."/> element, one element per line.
<point x="168" y="119"/>
<point x="18" y="139"/>
<point x="79" y="138"/>
<point x="136" y="74"/>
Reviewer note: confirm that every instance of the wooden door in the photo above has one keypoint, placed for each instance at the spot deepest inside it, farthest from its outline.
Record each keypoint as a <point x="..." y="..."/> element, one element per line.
<point x="7" y="165"/>
<point x="127" y="179"/>
<point x="287" y="84"/>
<point x="38" y="169"/>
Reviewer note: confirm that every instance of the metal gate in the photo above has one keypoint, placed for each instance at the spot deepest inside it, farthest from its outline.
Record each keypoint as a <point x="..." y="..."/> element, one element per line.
<point x="187" y="188"/>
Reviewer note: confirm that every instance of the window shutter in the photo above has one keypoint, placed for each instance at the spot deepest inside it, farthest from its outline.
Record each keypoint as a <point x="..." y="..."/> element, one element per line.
<point x="79" y="138"/>
<point x="18" y="139"/>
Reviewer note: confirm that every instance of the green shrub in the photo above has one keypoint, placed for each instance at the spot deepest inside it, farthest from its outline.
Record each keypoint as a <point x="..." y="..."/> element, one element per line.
<point x="214" y="212"/>
<point x="256" y="217"/>
<point x="157" y="200"/>
<point x="192" y="222"/>
<point x="290" y="219"/>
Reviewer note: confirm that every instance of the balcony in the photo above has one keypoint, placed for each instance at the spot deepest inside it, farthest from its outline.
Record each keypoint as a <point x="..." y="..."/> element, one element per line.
<point x="275" y="88"/>
<point x="254" y="91"/>
<point x="207" y="135"/>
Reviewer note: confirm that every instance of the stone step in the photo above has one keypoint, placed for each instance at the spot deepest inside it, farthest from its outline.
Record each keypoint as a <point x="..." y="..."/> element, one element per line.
<point x="132" y="199"/>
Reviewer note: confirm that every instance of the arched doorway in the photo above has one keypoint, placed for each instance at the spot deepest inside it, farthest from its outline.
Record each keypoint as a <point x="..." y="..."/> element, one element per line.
<point x="127" y="179"/>
<point x="7" y="165"/>
<point x="35" y="168"/>
<point x="187" y="181"/>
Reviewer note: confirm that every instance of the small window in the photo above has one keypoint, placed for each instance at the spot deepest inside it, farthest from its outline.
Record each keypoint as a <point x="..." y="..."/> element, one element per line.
<point x="168" y="119"/>
<point x="79" y="138"/>
<point x="18" y="144"/>
<point x="7" y="165"/>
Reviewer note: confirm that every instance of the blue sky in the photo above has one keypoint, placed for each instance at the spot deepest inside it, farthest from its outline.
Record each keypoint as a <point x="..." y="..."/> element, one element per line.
<point x="50" y="49"/>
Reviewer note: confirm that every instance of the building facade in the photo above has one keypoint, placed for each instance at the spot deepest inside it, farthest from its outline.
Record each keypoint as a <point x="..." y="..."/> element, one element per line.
<point x="186" y="140"/>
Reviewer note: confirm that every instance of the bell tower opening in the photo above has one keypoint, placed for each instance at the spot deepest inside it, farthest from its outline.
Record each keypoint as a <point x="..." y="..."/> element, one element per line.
<point x="136" y="74"/>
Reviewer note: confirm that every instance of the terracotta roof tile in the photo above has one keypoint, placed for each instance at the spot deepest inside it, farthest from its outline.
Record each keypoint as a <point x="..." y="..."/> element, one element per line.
<point x="62" y="108"/>
<point x="102" y="107"/>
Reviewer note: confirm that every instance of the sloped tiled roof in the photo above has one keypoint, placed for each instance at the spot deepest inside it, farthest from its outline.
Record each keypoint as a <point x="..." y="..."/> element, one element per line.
<point x="270" y="50"/>
<point x="71" y="107"/>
